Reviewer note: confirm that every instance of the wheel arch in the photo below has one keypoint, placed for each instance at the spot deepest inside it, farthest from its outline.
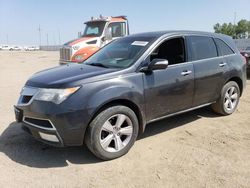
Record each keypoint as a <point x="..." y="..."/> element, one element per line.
<point x="238" y="81"/>
<point x="124" y="102"/>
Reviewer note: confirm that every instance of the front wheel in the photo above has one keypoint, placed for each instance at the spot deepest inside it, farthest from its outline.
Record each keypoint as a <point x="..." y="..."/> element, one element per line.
<point x="229" y="99"/>
<point x="112" y="132"/>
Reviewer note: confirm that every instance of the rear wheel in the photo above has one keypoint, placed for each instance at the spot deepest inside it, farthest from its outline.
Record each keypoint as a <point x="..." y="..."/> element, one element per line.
<point x="228" y="100"/>
<point x="112" y="132"/>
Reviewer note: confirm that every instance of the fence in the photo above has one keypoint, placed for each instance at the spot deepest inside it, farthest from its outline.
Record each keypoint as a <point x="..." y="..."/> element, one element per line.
<point x="50" y="48"/>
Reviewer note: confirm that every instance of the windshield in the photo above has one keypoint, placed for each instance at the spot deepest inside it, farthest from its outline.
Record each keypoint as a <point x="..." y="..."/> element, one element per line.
<point x="121" y="53"/>
<point x="94" y="28"/>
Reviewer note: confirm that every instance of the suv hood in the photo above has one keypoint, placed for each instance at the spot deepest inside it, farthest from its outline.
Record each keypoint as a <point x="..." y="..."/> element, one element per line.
<point x="63" y="76"/>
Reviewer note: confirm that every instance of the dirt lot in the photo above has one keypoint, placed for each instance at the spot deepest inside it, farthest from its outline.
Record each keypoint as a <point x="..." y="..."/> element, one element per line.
<point x="196" y="149"/>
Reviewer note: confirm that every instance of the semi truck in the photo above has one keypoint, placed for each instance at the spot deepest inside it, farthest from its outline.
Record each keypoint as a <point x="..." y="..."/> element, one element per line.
<point x="97" y="33"/>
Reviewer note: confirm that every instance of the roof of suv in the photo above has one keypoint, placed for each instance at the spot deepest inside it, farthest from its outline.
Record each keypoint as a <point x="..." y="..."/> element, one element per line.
<point x="175" y="32"/>
<point x="158" y="34"/>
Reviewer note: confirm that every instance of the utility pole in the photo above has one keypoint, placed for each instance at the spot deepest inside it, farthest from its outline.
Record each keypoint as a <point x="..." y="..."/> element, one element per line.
<point x="47" y="35"/>
<point x="59" y="36"/>
<point x="54" y="38"/>
<point x="40" y="39"/>
<point x="235" y="15"/>
<point x="7" y="39"/>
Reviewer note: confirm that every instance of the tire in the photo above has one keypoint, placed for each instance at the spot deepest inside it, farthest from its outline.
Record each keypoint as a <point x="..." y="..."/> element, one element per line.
<point x="229" y="99"/>
<point x="107" y="138"/>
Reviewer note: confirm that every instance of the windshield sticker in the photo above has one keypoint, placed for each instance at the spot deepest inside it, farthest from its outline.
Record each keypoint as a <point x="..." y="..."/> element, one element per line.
<point x="140" y="43"/>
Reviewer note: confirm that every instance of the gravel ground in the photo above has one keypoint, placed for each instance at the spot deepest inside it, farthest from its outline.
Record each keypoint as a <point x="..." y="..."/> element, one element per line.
<point x="196" y="149"/>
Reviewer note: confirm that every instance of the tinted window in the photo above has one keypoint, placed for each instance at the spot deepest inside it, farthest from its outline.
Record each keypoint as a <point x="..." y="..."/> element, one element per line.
<point x="172" y="50"/>
<point x="223" y="48"/>
<point x="201" y="48"/>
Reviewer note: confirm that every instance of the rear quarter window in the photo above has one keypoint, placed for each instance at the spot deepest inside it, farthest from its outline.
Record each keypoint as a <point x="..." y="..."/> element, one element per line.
<point x="223" y="48"/>
<point x="201" y="47"/>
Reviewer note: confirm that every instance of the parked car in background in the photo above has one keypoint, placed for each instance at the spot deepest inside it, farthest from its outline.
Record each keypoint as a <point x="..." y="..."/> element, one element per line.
<point x="107" y="101"/>
<point x="31" y="48"/>
<point x="5" y="47"/>
<point x="246" y="54"/>
<point x="15" y="48"/>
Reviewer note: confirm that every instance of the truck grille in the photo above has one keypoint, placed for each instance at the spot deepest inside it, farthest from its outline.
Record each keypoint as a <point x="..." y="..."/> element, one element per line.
<point x="65" y="54"/>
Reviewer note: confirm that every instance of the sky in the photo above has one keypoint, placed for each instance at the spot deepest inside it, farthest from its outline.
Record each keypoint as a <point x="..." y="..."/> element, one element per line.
<point x="61" y="20"/>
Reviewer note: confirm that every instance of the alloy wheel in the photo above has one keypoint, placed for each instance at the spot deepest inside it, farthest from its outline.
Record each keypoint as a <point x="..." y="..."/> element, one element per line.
<point x="116" y="133"/>
<point x="231" y="98"/>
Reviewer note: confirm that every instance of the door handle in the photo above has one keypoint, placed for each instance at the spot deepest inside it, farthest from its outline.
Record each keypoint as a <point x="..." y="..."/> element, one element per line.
<point x="222" y="64"/>
<point x="185" y="73"/>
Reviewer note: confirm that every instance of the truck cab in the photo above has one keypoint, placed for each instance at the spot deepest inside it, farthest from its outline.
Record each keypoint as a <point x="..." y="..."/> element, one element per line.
<point x="98" y="32"/>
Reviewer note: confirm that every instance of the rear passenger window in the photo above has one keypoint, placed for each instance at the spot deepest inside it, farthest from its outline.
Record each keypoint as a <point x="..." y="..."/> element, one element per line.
<point x="223" y="48"/>
<point x="201" y="48"/>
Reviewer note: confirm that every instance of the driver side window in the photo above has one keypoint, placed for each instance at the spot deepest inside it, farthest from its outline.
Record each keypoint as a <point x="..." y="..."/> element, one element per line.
<point x="117" y="29"/>
<point x="172" y="50"/>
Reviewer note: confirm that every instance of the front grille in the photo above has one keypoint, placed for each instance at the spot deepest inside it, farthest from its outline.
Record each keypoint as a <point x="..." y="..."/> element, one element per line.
<point x="65" y="54"/>
<point x="41" y="123"/>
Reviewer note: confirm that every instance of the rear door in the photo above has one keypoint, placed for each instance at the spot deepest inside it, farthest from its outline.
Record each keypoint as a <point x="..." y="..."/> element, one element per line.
<point x="209" y="69"/>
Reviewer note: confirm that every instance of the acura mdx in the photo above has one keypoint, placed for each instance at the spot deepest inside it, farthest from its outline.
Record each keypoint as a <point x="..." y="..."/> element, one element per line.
<point x="106" y="101"/>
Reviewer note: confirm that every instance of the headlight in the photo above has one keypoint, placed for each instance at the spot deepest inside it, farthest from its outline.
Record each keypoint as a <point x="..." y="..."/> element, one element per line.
<point x="81" y="57"/>
<point x="56" y="96"/>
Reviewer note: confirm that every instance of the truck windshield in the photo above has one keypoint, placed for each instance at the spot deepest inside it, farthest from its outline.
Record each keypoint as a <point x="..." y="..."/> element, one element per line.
<point x="94" y="28"/>
<point x="121" y="53"/>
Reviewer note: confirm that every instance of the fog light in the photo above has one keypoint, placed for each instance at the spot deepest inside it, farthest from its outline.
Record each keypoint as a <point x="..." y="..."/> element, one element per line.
<point x="49" y="137"/>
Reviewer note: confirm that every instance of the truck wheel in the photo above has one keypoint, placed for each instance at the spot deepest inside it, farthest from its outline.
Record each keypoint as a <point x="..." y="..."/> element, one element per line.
<point x="112" y="132"/>
<point x="229" y="99"/>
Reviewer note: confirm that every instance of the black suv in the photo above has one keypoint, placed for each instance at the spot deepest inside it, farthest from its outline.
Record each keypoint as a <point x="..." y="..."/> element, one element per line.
<point x="108" y="100"/>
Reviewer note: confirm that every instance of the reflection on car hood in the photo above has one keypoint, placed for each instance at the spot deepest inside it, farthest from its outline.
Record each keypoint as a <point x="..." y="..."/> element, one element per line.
<point x="62" y="75"/>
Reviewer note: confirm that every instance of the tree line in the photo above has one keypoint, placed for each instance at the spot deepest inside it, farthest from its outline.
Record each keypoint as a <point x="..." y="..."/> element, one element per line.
<point x="241" y="30"/>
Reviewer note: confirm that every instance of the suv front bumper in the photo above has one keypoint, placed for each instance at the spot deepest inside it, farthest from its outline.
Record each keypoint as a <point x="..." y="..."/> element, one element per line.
<point x="56" y="125"/>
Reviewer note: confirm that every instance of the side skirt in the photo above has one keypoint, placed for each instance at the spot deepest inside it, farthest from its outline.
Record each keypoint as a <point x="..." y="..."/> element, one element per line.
<point x="180" y="112"/>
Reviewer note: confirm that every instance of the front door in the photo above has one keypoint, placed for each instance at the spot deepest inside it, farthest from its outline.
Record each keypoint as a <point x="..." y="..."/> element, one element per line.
<point x="170" y="90"/>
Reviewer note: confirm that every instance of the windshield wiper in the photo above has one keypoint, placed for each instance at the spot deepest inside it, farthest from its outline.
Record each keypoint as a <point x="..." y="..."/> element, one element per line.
<point x="98" y="65"/>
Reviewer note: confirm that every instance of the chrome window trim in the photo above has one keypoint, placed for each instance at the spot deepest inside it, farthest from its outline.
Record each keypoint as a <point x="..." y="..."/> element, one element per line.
<point x="165" y="37"/>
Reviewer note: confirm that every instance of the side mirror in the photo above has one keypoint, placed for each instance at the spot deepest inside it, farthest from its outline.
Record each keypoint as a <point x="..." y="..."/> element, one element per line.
<point x="108" y="33"/>
<point x="155" y="64"/>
